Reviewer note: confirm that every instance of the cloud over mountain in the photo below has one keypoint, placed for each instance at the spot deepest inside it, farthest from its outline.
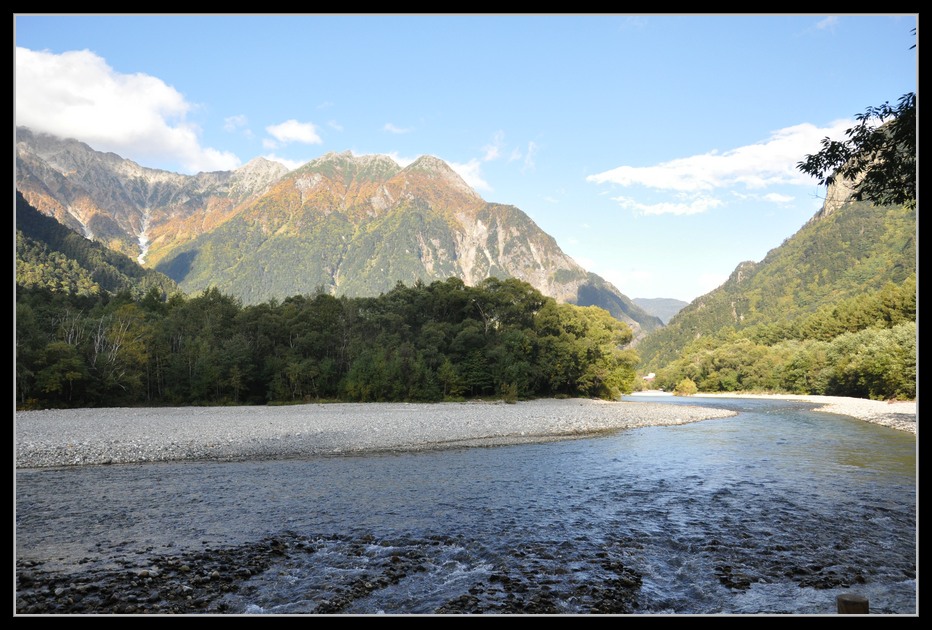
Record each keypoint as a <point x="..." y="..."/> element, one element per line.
<point x="693" y="179"/>
<point x="77" y="95"/>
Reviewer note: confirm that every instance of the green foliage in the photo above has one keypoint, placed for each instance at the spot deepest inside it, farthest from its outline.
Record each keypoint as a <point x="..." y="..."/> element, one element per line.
<point x="49" y="255"/>
<point x="685" y="387"/>
<point x="852" y="268"/>
<point x="597" y="292"/>
<point x="583" y="349"/>
<point x="509" y="393"/>
<point x="59" y="370"/>
<point x="418" y="343"/>
<point x="874" y="362"/>
<point x="879" y="156"/>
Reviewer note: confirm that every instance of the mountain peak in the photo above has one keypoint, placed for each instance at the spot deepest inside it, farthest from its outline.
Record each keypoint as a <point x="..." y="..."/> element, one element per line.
<point x="257" y="175"/>
<point x="376" y="160"/>
<point x="262" y="165"/>
<point x="355" y="224"/>
<point x="430" y="163"/>
<point x="348" y="157"/>
<point x="333" y="156"/>
<point x="435" y="168"/>
<point x="350" y="167"/>
<point x="257" y="162"/>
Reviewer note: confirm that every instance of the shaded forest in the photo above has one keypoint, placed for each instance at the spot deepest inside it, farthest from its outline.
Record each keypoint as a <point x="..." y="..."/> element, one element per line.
<point x="443" y="341"/>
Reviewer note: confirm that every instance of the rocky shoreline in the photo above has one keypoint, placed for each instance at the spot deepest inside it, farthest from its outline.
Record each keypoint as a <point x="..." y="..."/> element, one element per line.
<point x="896" y="414"/>
<point x="197" y="582"/>
<point x="75" y="437"/>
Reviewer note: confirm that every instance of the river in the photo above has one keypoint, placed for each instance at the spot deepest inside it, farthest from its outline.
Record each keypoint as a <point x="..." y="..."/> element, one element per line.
<point x="774" y="511"/>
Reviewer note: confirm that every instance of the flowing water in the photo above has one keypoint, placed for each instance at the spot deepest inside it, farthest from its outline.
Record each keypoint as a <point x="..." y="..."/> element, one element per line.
<point x="776" y="510"/>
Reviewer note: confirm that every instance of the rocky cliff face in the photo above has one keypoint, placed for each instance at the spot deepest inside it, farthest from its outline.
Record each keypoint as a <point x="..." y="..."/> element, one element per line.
<point x="130" y="208"/>
<point x="837" y="194"/>
<point x="349" y="225"/>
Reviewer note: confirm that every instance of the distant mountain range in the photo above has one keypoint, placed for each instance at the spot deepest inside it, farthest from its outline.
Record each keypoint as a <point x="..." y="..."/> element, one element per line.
<point x="343" y="224"/>
<point x="664" y="308"/>
<point x="358" y="225"/>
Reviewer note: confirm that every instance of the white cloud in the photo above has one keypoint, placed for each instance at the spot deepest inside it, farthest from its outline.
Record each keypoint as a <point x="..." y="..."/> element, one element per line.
<point x="471" y="174"/>
<point x="778" y="198"/>
<point x="828" y="23"/>
<point x="290" y="164"/>
<point x="493" y="150"/>
<point x="294" y="131"/>
<point x="389" y="127"/>
<point x="471" y="171"/>
<point x="400" y="160"/>
<point x="754" y="166"/>
<point x="696" y="205"/>
<point x="633" y="22"/>
<point x="77" y="95"/>
<point x="529" y="163"/>
<point x="773" y="197"/>
<point x="232" y="123"/>
<point x="335" y="125"/>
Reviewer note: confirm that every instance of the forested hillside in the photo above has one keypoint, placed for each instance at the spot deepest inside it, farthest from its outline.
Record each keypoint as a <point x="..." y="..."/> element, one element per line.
<point x="853" y="251"/>
<point x="49" y="255"/>
<point x="831" y="311"/>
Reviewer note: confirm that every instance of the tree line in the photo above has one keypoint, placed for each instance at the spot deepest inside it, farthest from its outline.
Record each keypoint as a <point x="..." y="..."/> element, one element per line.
<point x="864" y="347"/>
<point x="442" y="341"/>
<point x="52" y="256"/>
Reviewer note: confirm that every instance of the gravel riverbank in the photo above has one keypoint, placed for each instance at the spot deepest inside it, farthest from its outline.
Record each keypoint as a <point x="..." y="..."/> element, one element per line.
<point x="897" y="414"/>
<point x="74" y="437"/>
<point x="99" y="554"/>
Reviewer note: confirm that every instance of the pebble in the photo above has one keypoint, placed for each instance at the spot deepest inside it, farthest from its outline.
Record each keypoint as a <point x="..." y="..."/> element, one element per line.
<point x="70" y="437"/>
<point x="77" y="437"/>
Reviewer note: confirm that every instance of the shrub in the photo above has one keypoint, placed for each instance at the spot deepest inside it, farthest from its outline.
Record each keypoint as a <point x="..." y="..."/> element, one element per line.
<point x="686" y="387"/>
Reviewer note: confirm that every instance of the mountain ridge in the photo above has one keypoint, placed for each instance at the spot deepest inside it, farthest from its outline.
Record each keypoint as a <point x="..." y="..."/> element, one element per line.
<point x="846" y="250"/>
<point x="52" y="256"/>
<point x="664" y="308"/>
<point x="349" y="225"/>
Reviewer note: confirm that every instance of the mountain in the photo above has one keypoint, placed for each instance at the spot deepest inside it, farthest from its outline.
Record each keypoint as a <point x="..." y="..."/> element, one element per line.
<point x="348" y="225"/>
<point x="664" y="308"/>
<point x="51" y="256"/>
<point x="847" y="253"/>
<point x="131" y="209"/>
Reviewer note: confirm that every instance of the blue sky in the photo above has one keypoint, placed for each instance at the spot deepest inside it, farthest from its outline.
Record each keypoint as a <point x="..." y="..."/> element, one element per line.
<point x="659" y="151"/>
